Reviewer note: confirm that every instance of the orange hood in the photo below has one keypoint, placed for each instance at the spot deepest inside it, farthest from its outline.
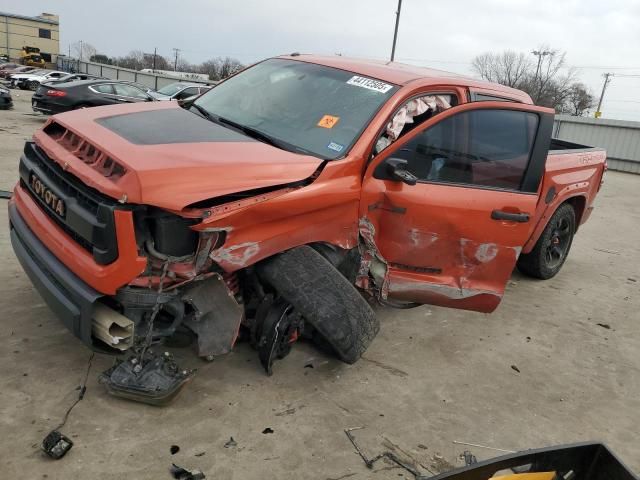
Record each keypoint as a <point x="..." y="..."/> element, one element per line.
<point x="170" y="157"/>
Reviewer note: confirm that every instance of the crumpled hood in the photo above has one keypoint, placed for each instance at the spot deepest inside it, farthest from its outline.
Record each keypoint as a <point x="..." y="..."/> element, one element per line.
<point x="171" y="157"/>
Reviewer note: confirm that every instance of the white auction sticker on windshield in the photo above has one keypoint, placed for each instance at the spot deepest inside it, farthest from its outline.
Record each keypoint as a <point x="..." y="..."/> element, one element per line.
<point x="369" y="84"/>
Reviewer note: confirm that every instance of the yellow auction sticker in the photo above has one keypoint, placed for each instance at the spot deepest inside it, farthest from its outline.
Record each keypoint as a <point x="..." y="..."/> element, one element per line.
<point x="328" y="121"/>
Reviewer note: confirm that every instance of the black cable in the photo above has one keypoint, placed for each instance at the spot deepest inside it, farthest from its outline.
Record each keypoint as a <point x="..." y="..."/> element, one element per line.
<point x="83" y="389"/>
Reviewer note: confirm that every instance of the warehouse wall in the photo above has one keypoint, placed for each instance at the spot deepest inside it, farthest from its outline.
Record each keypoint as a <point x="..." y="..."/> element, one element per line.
<point x="27" y="31"/>
<point x="620" y="138"/>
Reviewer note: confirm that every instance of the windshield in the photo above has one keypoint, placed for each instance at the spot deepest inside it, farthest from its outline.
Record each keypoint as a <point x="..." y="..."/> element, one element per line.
<point x="316" y="109"/>
<point x="171" y="89"/>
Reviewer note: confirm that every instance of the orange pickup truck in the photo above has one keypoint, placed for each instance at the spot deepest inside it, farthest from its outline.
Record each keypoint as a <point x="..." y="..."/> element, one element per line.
<point x="291" y="197"/>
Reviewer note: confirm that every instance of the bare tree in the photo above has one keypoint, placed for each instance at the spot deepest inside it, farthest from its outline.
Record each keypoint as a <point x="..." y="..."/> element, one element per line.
<point x="219" y="68"/>
<point x="548" y="81"/>
<point x="508" y="68"/>
<point x="579" y="100"/>
<point x="83" y="50"/>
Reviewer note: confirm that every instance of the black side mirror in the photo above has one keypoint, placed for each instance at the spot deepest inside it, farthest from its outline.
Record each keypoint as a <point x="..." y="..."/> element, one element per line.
<point x="396" y="168"/>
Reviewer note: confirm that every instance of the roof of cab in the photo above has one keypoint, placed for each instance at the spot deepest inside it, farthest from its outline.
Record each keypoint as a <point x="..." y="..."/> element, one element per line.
<point x="402" y="74"/>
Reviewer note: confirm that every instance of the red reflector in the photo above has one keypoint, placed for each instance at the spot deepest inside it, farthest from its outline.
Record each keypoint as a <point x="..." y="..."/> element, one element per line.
<point x="56" y="93"/>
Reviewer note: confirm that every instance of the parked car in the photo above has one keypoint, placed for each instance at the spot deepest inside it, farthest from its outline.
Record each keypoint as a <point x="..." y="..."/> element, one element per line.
<point x="32" y="80"/>
<point x="6" y="72"/>
<point x="4" y="58"/>
<point x="62" y="97"/>
<point x="5" y="66"/>
<point x="5" y="98"/>
<point x="277" y="201"/>
<point x="72" y="77"/>
<point x="179" y="91"/>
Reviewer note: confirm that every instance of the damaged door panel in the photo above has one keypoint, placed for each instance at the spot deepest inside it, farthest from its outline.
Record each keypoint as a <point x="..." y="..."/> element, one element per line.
<point x="453" y="237"/>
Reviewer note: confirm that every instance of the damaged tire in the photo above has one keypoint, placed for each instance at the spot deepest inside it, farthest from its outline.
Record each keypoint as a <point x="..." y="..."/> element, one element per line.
<point x="552" y="248"/>
<point x="325" y="298"/>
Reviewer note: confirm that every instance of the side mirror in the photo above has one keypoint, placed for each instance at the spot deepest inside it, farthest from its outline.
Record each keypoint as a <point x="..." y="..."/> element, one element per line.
<point x="396" y="168"/>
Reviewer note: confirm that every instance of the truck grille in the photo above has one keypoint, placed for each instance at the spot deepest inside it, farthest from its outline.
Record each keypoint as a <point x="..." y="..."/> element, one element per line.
<point x="88" y="215"/>
<point x="85" y="151"/>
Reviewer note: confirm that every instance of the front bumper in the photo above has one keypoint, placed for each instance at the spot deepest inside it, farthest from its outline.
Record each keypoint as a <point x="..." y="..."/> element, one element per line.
<point x="71" y="299"/>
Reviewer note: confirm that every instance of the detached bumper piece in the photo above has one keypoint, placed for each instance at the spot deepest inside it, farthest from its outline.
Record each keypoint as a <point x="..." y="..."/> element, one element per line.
<point x="153" y="379"/>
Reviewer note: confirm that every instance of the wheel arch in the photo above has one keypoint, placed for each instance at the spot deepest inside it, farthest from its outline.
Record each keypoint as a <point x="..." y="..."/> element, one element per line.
<point x="578" y="202"/>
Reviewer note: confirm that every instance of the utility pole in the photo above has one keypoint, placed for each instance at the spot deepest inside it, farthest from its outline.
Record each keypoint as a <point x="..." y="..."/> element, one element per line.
<point x="155" y="52"/>
<point x="395" y="32"/>
<point x="607" y="79"/>
<point x="540" y="54"/>
<point x="80" y="50"/>
<point x="175" y="63"/>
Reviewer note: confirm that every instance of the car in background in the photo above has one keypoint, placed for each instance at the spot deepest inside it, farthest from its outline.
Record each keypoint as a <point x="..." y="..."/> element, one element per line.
<point x="179" y="91"/>
<point x="6" y="101"/>
<point x="4" y="58"/>
<point x="32" y="80"/>
<point x="6" y="72"/>
<point x="62" y="97"/>
<point x="72" y="77"/>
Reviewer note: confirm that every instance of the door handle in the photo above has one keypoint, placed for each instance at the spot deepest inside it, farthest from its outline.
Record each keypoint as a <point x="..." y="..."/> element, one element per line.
<point x="512" y="217"/>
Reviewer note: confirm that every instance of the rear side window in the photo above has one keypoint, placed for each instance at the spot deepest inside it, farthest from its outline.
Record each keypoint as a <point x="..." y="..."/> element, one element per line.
<point x="129" y="91"/>
<point x="106" y="88"/>
<point x="489" y="148"/>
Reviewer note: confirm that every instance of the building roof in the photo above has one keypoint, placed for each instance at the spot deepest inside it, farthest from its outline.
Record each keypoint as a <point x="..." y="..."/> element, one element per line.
<point x="401" y="73"/>
<point x="33" y="19"/>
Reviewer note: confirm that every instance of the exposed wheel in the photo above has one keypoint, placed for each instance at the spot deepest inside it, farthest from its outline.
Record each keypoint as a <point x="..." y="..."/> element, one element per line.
<point x="33" y="85"/>
<point x="81" y="106"/>
<point x="551" y="250"/>
<point x="325" y="298"/>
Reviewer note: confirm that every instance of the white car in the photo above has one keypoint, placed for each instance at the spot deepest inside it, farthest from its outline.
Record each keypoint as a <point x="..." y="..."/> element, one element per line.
<point x="179" y="91"/>
<point x="32" y="80"/>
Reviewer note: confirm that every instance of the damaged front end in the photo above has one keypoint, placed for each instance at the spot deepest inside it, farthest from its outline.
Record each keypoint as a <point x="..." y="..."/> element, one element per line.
<point x="181" y="290"/>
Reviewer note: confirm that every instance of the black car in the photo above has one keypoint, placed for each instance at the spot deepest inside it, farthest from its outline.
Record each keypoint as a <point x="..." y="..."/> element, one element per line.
<point x="5" y="98"/>
<point x="62" y="97"/>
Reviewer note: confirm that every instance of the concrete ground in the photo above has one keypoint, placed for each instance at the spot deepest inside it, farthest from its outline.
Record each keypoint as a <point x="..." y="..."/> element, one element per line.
<point x="433" y="376"/>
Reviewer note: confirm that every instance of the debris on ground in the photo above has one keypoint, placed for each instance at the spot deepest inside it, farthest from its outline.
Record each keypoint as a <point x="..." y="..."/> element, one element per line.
<point x="180" y="473"/>
<point x="267" y="430"/>
<point x="230" y="443"/>
<point x="370" y="462"/>
<point x="483" y="446"/>
<point x="469" y="458"/>
<point x="604" y="325"/>
<point x="515" y="368"/>
<point x="146" y="377"/>
<point x="174" y="449"/>
<point x="200" y="454"/>
<point x="56" y="445"/>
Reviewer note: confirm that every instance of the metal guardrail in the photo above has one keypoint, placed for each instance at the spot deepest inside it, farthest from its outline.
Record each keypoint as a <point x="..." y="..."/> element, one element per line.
<point x="620" y="138"/>
<point x="113" y="72"/>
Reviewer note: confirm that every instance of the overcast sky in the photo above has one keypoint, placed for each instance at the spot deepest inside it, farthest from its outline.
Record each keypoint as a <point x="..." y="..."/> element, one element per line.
<point x="598" y="35"/>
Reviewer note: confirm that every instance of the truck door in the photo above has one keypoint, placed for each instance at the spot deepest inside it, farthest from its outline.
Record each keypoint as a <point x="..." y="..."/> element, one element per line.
<point x="446" y="209"/>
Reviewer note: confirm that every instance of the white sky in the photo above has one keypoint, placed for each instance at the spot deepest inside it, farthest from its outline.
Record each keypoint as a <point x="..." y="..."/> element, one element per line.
<point x="598" y="35"/>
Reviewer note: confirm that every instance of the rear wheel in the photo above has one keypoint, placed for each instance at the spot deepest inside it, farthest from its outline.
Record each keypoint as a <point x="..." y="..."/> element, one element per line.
<point x="325" y="298"/>
<point x="551" y="250"/>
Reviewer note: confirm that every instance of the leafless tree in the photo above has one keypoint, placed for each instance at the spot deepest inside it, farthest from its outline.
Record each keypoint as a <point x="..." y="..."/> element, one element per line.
<point x="219" y="68"/>
<point x="548" y="81"/>
<point x="83" y="50"/>
<point x="508" y="68"/>
<point x="579" y="100"/>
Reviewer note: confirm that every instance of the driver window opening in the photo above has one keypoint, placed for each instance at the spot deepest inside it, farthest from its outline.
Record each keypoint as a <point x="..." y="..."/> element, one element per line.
<point x="411" y="115"/>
